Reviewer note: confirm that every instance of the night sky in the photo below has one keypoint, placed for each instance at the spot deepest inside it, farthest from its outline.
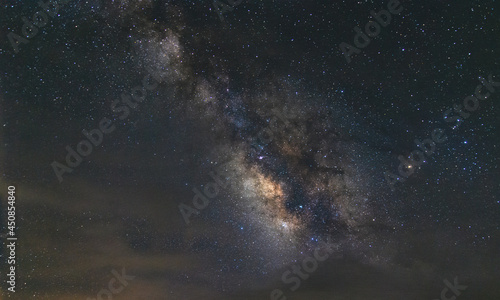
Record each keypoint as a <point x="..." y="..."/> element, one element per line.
<point x="240" y="149"/>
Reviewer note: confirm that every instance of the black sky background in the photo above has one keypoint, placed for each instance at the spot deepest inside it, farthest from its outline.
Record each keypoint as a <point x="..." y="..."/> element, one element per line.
<point x="119" y="208"/>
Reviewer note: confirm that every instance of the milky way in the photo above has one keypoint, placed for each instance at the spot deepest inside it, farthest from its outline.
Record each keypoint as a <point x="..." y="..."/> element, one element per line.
<point x="257" y="114"/>
<point x="296" y="166"/>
